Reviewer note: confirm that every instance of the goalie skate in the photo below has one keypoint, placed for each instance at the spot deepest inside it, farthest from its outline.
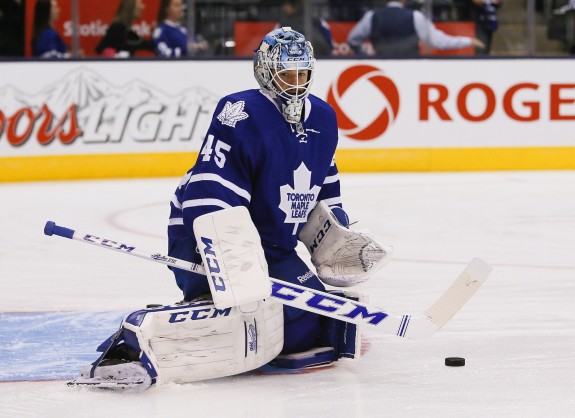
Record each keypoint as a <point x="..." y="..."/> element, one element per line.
<point x="118" y="376"/>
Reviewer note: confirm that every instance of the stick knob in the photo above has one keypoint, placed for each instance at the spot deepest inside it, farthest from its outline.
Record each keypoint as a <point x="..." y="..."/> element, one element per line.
<point x="52" y="229"/>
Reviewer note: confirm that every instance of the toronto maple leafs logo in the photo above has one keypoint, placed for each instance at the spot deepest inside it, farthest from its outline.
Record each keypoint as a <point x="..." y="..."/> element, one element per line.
<point x="233" y="113"/>
<point x="295" y="49"/>
<point x="298" y="201"/>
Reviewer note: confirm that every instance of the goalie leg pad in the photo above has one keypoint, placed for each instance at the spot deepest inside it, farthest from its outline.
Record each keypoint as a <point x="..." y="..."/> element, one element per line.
<point x="343" y="257"/>
<point x="196" y="341"/>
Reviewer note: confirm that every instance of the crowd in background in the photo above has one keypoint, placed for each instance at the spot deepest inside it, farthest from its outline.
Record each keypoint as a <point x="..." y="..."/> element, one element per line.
<point x="389" y="27"/>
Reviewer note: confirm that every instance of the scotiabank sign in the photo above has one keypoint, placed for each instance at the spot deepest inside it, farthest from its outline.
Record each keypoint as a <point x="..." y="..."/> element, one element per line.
<point x="93" y="20"/>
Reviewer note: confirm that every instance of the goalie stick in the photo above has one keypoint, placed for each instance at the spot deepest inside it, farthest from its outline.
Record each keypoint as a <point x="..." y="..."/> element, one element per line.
<point x="413" y="326"/>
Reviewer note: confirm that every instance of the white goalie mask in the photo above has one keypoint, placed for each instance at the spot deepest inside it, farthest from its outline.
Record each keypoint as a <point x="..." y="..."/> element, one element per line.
<point x="284" y="68"/>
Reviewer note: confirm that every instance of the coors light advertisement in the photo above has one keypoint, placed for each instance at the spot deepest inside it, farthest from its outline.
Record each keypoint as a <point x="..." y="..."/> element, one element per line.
<point x="84" y="112"/>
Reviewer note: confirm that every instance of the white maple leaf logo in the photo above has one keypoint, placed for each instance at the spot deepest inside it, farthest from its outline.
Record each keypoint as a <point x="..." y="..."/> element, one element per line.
<point x="298" y="201"/>
<point x="233" y="113"/>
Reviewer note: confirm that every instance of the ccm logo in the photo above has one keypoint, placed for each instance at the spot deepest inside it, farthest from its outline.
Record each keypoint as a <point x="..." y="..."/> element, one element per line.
<point x="320" y="236"/>
<point x="108" y="243"/>
<point x="213" y="265"/>
<point x="197" y="314"/>
<point x="325" y="303"/>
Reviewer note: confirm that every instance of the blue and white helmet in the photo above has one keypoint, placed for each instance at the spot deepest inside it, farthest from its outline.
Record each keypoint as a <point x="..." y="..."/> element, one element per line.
<point x="282" y="50"/>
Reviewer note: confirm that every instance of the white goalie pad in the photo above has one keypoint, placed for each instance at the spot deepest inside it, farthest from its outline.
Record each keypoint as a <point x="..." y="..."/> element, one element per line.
<point x="233" y="257"/>
<point x="342" y="257"/>
<point x="197" y="341"/>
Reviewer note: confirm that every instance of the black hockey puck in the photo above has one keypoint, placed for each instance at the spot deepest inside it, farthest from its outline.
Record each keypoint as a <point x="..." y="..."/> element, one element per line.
<point x="455" y="361"/>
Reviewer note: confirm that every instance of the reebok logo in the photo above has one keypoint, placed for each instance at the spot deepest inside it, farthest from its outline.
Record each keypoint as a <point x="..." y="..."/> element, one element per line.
<point x="305" y="277"/>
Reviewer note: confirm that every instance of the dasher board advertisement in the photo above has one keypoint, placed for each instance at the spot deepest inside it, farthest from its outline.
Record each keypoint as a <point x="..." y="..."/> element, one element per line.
<point x="409" y="115"/>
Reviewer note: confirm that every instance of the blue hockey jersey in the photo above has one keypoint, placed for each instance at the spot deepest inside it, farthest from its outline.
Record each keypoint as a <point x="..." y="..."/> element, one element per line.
<point x="170" y="40"/>
<point x="252" y="157"/>
<point x="49" y="44"/>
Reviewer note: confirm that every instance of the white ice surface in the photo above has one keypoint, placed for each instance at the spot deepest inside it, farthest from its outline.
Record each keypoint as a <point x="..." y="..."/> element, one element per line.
<point x="517" y="334"/>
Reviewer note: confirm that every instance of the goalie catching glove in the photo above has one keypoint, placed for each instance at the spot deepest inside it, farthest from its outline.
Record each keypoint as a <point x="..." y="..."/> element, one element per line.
<point x="342" y="257"/>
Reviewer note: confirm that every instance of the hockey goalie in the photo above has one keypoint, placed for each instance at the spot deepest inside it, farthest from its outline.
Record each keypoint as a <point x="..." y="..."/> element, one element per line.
<point x="265" y="179"/>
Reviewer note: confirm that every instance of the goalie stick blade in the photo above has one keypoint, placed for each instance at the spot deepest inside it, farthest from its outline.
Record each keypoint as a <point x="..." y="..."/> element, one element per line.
<point x="458" y="294"/>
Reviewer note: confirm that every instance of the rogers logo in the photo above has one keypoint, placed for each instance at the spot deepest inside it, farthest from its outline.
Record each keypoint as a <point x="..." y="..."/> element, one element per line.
<point x="381" y="84"/>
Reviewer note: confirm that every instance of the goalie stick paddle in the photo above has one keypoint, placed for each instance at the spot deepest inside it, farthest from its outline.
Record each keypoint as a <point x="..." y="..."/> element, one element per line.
<point x="413" y="326"/>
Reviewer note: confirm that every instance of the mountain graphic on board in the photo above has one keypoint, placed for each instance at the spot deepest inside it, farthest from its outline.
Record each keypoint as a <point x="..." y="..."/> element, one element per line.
<point x="85" y="88"/>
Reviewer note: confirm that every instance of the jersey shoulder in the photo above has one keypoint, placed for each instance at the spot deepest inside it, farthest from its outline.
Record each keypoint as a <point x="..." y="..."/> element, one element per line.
<point x="245" y="112"/>
<point x="322" y="112"/>
<point x="320" y="105"/>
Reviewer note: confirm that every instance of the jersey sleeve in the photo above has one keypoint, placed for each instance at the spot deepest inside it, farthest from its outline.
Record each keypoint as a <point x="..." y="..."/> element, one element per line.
<point x="221" y="177"/>
<point x="330" y="191"/>
<point x="170" y="42"/>
<point x="160" y="47"/>
<point x="161" y="41"/>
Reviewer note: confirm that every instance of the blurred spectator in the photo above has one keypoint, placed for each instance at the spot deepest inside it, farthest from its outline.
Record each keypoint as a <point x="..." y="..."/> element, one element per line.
<point x="46" y="42"/>
<point x="11" y="28"/>
<point x="120" y="41"/>
<point x="292" y="16"/>
<point x="484" y="14"/>
<point x="567" y="7"/>
<point x="561" y="23"/>
<point x="395" y="31"/>
<point x="170" y="37"/>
